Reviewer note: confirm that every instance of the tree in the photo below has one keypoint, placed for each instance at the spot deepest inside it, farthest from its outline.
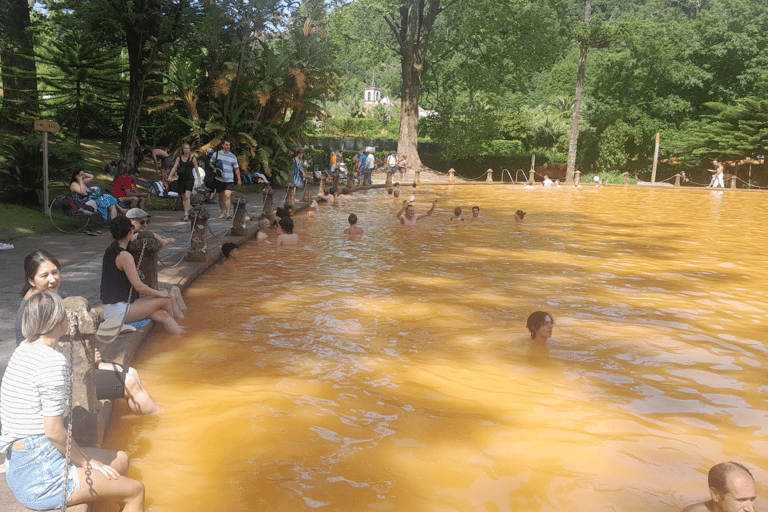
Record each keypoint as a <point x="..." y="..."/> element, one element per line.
<point x="18" y="67"/>
<point x="84" y="87"/>
<point x="600" y="36"/>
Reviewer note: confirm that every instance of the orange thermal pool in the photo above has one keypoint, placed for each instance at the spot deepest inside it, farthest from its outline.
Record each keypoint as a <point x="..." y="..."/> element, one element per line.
<point x="393" y="371"/>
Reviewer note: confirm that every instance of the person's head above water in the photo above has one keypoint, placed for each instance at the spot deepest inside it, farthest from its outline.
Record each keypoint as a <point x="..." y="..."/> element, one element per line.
<point x="540" y="325"/>
<point x="731" y="488"/>
<point x="457" y="211"/>
<point x="286" y="224"/>
<point x="230" y="249"/>
<point x="352" y="219"/>
<point x="519" y="215"/>
<point x="475" y="211"/>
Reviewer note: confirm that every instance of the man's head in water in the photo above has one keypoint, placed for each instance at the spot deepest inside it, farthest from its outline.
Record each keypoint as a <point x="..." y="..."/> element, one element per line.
<point x="286" y="224"/>
<point x="475" y="211"/>
<point x="410" y="211"/>
<point x="352" y="219"/>
<point x="519" y="215"/>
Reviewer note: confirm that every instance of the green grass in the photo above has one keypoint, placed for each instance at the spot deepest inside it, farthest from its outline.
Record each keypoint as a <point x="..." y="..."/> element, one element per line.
<point x="22" y="222"/>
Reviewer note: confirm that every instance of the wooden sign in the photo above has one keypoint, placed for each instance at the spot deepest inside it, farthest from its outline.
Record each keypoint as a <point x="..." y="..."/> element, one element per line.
<point x="47" y="126"/>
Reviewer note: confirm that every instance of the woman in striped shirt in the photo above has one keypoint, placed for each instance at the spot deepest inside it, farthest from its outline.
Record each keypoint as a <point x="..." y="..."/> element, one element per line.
<point x="33" y="403"/>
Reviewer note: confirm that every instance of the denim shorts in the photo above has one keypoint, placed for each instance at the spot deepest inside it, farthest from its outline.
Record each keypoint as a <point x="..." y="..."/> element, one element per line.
<point x="36" y="474"/>
<point x="118" y="310"/>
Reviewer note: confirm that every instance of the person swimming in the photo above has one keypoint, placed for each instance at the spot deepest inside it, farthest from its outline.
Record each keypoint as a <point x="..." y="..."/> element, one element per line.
<point x="540" y="324"/>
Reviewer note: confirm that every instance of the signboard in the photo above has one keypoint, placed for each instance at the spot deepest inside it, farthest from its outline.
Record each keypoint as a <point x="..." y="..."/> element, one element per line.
<point x="47" y="126"/>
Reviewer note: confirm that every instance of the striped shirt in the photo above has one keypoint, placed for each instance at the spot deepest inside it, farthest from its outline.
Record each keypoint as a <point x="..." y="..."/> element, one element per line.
<point x="230" y="164"/>
<point x="34" y="387"/>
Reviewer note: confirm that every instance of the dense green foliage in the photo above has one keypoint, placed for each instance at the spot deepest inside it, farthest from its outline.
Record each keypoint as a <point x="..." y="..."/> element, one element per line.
<point x="500" y="74"/>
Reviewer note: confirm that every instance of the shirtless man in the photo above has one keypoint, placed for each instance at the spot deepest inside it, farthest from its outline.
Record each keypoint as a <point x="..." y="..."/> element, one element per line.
<point x="519" y="215"/>
<point x="353" y="229"/>
<point x="457" y="216"/>
<point x="731" y="487"/>
<point x="475" y="213"/>
<point x="407" y="214"/>
<point x="717" y="175"/>
<point x="288" y="237"/>
<point x="160" y="157"/>
<point x="329" y="198"/>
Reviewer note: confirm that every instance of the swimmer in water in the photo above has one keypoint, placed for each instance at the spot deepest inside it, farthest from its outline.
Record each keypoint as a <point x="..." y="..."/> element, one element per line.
<point x="407" y="214"/>
<point x="231" y="253"/>
<point x="288" y="237"/>
<point x="475" y="213"/>
<point x="731" y="487"/>
<point x="540" y="325"/>
<point x="457" y="216"/>
<point x="353" y="229"/>
<point x="519" y="215"/>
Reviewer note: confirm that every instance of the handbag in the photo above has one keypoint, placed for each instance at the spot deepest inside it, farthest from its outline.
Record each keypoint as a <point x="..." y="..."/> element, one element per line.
<point x="110" y="385"/>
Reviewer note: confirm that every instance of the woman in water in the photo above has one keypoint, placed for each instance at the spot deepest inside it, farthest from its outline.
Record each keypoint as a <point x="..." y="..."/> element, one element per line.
<point x="119" y="276"/>
<point x="33" y="405"/>
<point x="43" y="273"/>
<point x="540" y="325"/>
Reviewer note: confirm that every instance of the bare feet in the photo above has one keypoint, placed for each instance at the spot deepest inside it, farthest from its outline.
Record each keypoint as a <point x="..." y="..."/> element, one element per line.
<point x="222" y="216"/>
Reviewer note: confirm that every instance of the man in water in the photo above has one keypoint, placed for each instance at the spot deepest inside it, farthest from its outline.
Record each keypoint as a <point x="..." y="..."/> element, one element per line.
<point x="457" y="216"/>
<point x="407" y="214"/>
<point x="353" y="228"/>
<point x="732" y="488"/>
<point x="475" y="213"/>
<point x="519" y="215"/>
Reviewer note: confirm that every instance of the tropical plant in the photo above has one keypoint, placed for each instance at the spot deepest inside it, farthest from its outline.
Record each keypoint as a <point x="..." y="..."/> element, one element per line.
<point x="21" y="167"/>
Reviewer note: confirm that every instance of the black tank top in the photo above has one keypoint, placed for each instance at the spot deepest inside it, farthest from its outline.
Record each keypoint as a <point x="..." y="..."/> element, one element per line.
<point x="186" y="169"/>
<point x="115" y="285"/>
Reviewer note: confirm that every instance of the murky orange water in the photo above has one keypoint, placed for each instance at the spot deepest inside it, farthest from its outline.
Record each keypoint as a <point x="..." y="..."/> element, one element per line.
<point x="392" y="372"/>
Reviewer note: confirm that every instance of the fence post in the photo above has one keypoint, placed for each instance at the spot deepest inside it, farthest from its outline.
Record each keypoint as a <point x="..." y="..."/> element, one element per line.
<point x="198" y="244"/>
<point x="576" y="178"/>
<point x="85" y="405"/>
<point x="238" y="219"/>
<point x="268" y="201"/>
<point x="626" y="178"/>
<point x="489" y="178"/>
<point x="451" y="175"/>
<point x="307" y="198"/>
<point x="148" y="267"/>
<point x="677" y="180"/>
<point x="733" y="181"/>
<point x="417" y="176"/>
<point x="531" y="176"/>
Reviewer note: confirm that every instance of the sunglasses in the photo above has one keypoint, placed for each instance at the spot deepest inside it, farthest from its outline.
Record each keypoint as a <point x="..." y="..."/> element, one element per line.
<point x="144" y="222"/>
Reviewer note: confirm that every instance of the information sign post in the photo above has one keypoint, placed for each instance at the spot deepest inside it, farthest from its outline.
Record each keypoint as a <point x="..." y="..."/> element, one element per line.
<point x="46" y="127"/>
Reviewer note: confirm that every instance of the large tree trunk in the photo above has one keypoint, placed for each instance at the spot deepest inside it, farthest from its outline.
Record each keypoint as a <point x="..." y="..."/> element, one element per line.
<point x="577" y="106"/>
<point x="137" y="78"/>
<point x="408" y="139"/>
<point x="18" y="73"/>
<point x="412" y="31"/>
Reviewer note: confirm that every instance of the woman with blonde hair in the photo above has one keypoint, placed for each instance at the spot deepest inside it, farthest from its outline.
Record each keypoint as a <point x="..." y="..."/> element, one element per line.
<point x="35" y="396"/>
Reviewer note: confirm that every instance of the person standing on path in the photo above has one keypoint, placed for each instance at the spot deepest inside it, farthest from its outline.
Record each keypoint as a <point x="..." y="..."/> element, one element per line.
<point x="226" y="183"/>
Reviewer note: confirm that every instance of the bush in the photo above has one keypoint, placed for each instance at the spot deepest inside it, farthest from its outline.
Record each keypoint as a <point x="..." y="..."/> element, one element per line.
<point x="21" y="167"/>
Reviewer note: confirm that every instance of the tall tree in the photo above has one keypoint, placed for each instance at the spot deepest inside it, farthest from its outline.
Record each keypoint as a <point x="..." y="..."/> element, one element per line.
<point x="600" y="36"/>
<point x="18" y="68"/>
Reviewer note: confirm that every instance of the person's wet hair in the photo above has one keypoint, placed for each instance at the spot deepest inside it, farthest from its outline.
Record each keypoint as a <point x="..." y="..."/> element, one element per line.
<point x="32" y="262"/>
<point x="536" y="320"/>
<point x="457" y="211"/>
<point x="352" y="219"/>
<point x="280" y="212"/>
<point x="286" y="224"/>
<point x="345" y="191"/>
<point x="227" y="248"/>
<point x="520" y="213"/>
<point x="390" y="190"/>
<point x="397" y="192"/>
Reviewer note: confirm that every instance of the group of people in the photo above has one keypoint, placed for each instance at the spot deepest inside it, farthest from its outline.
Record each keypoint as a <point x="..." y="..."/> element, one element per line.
<point x="35" y="393"/>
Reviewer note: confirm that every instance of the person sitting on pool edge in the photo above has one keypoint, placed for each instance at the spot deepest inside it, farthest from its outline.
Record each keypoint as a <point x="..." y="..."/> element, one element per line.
<point x="540" y="325"/>
<point x="731" y="487"/>
<point x="288" y="237"/>
<point x="231" y="253"/>
<point x="121" y="285"/>
<point x="519" y="215"/>
<point x="457" y="216"/>
<point x="407" y="214"/>
<point x="353" y="229"/>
